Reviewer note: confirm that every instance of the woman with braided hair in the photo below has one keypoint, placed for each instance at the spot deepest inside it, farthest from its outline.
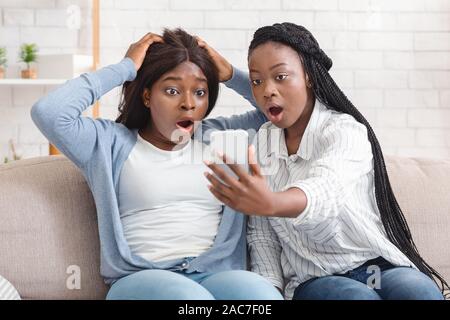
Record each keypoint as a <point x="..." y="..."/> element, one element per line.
<point x="324" y="222"/>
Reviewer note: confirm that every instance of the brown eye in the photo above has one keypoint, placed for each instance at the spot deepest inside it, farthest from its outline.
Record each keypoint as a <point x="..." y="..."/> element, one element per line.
<point x="200" y="92"/>
<point x="256" y="82"/>
<point x="172" y="91"/>
<point x="281" y="76"/>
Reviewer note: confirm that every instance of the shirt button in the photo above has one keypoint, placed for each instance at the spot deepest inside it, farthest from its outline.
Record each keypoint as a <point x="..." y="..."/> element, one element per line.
<point x="184" y="264"/>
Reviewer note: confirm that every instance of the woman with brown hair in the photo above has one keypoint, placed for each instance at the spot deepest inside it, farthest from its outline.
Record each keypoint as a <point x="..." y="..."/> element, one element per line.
<point x="162" y="234"/>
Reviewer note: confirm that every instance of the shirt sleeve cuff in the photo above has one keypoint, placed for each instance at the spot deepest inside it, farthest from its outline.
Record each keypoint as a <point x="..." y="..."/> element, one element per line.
<point x="129" y="68"/>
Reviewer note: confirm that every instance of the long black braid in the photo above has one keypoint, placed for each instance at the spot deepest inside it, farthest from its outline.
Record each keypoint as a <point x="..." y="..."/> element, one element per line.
<point x="317" y="64"/>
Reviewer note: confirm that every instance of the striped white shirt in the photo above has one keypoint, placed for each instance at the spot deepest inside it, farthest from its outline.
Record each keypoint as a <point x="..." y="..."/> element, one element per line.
<point x="7" y="291"/>
<point x="340" y="228"/>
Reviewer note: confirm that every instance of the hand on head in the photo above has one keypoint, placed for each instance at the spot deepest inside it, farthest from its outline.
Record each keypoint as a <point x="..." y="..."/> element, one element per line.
<point x="223" y="66"/>
<point x="137" y="50"/>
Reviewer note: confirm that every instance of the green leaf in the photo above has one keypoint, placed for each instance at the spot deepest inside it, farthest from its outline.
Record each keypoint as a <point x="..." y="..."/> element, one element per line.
<point x="3" y="58"/>
<point x="28" y="53"/>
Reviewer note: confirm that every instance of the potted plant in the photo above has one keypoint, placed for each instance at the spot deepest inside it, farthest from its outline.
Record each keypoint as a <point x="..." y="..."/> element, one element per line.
<point x="15" y="156"/>
<point x="3" y="61"/>
<point x="28" y="54"/>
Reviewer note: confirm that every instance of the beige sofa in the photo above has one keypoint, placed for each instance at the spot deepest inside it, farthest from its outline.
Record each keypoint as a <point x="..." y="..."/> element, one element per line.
<point x="48" y="225"/>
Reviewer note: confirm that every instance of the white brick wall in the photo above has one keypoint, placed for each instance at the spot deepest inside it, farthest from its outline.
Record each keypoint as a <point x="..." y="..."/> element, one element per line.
<point x="51" y="18"/>
<point x="391" y="58"/>
<point x="18" y="17"/>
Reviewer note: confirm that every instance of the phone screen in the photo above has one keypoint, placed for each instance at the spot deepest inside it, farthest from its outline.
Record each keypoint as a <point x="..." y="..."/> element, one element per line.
<point x="232" y="143"/>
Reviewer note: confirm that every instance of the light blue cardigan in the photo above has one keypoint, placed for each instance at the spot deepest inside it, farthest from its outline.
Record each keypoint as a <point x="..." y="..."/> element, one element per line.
<point x="99" y="147"/>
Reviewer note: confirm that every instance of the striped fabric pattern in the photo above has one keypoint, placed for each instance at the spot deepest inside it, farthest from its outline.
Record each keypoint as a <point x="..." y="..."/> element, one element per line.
<point x="7" y="291"/>
<point x="340" y="228"/>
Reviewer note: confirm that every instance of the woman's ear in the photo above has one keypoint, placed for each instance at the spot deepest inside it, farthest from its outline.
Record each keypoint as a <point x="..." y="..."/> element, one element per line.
<point x="146" y="97"/>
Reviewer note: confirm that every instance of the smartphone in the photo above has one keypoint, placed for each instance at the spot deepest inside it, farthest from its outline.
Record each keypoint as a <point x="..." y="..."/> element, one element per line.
<point x="233" y="144"/>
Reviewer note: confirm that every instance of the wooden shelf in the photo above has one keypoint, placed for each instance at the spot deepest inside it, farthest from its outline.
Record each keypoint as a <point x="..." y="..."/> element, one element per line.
<point x="15" y="82"/>
<point x="95" y="64"/>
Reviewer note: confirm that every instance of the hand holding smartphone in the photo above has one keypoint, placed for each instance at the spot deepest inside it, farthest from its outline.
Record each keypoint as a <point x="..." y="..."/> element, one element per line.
<point x="234" y="145"/>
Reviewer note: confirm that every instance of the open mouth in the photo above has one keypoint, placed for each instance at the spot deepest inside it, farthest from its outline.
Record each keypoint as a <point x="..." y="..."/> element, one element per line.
<point x="275" y="114"/>
<point x="185" y="124"/>
<point x="274" y="111"/>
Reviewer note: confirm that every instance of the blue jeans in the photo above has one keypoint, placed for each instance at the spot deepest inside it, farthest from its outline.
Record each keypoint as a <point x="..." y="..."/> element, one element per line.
<point x="394" y="283"/>
<point x="177" y="285"/>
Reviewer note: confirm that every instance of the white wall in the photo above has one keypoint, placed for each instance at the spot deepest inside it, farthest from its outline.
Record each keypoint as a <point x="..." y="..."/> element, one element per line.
<point x="392" y="58"/>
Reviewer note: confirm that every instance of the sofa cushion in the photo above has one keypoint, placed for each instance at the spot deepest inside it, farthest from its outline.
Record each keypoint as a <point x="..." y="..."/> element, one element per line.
<point x="48" y="230"/>
<point x="49" y="225"/>
<point x="421" y="187"/>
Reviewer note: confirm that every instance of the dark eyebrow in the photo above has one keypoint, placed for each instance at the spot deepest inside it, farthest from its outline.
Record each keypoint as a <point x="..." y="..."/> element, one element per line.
<point x="278" y="65"/>
<point x="202" y="79"/>
<point x="172" y="78"/>
<point x="179" y="79"/>
<point x="272" y="67"/>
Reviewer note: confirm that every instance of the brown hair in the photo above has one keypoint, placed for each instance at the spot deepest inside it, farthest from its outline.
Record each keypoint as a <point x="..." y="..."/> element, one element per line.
<point x="178" y="47"/>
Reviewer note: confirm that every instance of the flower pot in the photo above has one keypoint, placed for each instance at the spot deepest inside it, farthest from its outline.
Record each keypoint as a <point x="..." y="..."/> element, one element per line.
<point x="29" y="74"/>
<point x="2" y="73"/>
